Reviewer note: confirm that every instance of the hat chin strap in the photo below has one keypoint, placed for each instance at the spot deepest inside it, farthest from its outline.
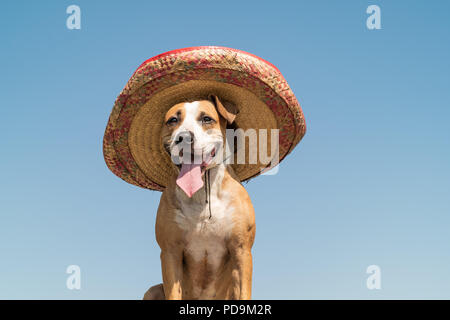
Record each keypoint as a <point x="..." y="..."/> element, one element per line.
<point x="208" y="191"/>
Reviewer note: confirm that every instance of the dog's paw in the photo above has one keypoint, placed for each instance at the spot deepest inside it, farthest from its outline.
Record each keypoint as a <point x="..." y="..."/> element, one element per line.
<point x="155" y="293"/>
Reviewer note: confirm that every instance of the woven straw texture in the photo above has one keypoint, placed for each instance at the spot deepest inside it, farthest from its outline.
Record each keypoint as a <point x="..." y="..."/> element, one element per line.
<point x="132" y="145"/>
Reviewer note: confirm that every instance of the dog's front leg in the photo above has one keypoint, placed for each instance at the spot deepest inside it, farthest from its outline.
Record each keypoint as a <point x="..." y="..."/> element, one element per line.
<point x="242" y="273"/>
<point x="172" y="272"/>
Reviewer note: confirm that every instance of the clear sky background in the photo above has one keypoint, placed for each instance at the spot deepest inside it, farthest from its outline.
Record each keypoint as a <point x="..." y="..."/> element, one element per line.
<point x="368" y="184"/>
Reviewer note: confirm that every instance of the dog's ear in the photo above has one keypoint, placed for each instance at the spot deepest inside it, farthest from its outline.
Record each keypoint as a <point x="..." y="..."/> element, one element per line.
<point x="225" y="108"/>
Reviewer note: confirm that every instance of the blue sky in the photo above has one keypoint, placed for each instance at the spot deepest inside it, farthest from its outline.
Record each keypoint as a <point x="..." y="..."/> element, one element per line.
<point x="368" y="184"/>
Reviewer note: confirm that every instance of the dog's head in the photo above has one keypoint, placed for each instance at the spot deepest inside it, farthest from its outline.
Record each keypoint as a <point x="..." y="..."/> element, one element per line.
<point x="194" y="132"/>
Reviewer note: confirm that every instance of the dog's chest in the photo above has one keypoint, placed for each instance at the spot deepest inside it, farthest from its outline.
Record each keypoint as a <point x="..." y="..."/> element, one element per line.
<point x="205" y="230"/>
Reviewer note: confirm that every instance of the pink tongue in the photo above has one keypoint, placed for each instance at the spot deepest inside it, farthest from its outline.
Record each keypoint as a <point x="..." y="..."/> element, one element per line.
<point x="190" y="178"/>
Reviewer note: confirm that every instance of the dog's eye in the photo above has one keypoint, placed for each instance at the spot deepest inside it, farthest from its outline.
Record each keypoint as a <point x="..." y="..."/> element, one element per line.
<point x="207" y="119"/>
<point x="172" y="121"/>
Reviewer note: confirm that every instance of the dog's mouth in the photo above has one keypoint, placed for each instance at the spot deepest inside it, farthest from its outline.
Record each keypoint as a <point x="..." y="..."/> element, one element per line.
<point x="205" y="160"/>
<point x="190" y="177"/>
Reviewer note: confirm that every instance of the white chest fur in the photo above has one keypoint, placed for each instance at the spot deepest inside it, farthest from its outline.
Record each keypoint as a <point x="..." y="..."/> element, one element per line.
<point x="206" y="231"/>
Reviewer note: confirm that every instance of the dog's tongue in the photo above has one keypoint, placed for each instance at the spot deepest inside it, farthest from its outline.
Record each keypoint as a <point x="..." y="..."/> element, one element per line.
<point x="190" y="178"/>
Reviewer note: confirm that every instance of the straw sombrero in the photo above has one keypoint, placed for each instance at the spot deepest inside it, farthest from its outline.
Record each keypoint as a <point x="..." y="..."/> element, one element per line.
<point x="132" y="144"/>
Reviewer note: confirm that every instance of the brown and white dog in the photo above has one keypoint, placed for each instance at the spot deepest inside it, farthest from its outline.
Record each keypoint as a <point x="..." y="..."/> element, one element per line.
<point x="205" y="224"/>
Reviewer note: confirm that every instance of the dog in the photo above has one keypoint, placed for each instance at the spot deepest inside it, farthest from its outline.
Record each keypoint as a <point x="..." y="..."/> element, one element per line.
<point x="205" y="224"/>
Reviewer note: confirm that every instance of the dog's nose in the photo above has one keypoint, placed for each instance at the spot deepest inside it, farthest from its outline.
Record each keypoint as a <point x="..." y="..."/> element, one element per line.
<point x="186" y="137"/>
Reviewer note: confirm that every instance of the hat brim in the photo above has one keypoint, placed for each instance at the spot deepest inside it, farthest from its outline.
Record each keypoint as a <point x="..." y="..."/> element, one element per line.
<point x="132" y="144"/>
